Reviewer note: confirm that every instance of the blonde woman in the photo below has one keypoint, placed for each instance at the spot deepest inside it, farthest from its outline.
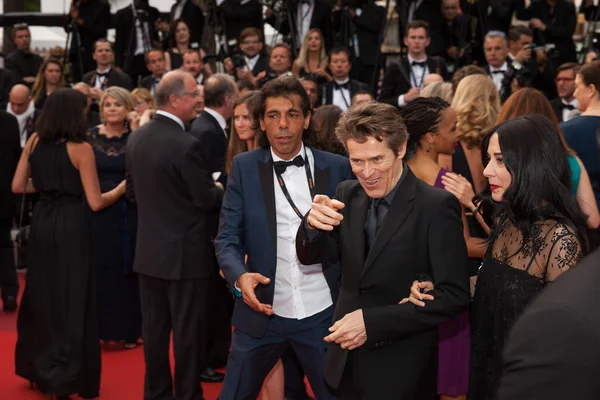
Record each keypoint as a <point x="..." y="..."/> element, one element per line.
<point x="312" y="60"/>
<point x="49" y="78"/>
<point x="113" y="230"/>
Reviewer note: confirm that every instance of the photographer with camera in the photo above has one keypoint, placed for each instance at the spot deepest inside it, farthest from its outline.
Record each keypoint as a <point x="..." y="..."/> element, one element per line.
<point x="248" y="63"/>
<point x="87" y="22"/>
<point x="553" y="22"/>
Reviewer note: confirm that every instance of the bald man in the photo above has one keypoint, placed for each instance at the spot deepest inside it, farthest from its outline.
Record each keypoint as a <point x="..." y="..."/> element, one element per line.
<point x="21" y="106"/>
<point x="432" y="78"/>
<point x="93" y="117"/>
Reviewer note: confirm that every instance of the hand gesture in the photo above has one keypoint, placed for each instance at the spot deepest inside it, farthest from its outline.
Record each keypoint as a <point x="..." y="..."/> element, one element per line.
<point x="412" y="94"/>
<point x="523" y="55"/>
<point x="460" y="187"/>
<point x="453" y="52"/>
<point x="349" y="332"/>
<point x="259" y="77"/>
<point x="417" y="293"/>
<point x="121" y="188"/>
<point x="246" y="283"/>
<point x="134" y="120"/>
<point x="324" y="213"/>
<point x="243" y="74"/>
<point x="96" y="93"/>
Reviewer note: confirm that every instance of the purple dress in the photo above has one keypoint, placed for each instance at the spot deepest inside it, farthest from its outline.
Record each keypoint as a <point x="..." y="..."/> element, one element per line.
<point x="454" y="346"/>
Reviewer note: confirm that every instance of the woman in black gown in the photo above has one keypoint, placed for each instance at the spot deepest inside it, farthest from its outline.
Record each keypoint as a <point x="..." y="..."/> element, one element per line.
<point x="58" y="348"/>
<point x="538" y="232"/>
<point x="113" y="228"/>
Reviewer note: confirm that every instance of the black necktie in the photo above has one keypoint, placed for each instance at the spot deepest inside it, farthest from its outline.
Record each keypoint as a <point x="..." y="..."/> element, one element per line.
<point x="498" y="71"/>
<point x="418" y="64"/>
<point x="281" y="166"/>
<point x="371" y="227"/>
<point x="567" y="106"/>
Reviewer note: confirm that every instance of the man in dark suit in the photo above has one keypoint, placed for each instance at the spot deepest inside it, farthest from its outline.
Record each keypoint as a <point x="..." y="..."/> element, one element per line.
<point x="155" y="63"/>
<point x="403" y="82"/>
<point x="388" y="229"/>
<point x="281" y="303"/>
<point x="565" y="104"/>
<point x="170" y="181"/>
<point x="24" y="64"/>
<point x="455" y="35"/>
<point x="341" y="90"/>
<point x="499" y="65"/>
<point x="306" y="15"/>
<point x="255" y="64"/>
<point x="220" y="93"/>
<point x="551" y="352"/>
<point x="189" y="12"/>
<point x="135" y="35"/>
<point x="10" y="152"/>
<point x="105" y="75"/>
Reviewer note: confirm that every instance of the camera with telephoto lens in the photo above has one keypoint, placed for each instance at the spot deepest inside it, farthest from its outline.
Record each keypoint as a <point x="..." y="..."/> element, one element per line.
<point x="238" y="60"/>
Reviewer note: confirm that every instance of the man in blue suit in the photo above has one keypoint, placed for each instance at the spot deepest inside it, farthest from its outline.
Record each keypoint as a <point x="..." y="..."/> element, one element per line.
<point x="283" y="303"/>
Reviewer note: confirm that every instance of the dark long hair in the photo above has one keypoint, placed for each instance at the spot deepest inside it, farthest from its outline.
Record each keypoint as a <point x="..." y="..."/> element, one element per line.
<point x="540" y="175"/>
<point x="326" y="119"/>
<point x="284" y="87"/>
<point x="63" y="117"/>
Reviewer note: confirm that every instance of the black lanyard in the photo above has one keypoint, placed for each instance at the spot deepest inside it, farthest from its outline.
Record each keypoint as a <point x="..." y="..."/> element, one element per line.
<point x="414" y="77"/>
<point x="311" y="185"/>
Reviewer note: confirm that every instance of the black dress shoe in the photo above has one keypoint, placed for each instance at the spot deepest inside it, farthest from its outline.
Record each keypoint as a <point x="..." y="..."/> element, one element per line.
<point x="10" y="304"/>
<point x="210" y="375"/>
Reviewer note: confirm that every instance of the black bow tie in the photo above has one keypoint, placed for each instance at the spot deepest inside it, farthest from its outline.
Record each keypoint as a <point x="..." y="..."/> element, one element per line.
<point x="419" y="64"/>
<point x="102" y="74"/>
<point x="341" y="86"/>
<point x="498" y="71"/>
<point x="567" y="106"/>
<point x="281" y="166"/>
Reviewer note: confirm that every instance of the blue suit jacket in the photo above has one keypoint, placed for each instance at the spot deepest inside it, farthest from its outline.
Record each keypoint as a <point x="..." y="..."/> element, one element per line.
<point x="248" y="227"/>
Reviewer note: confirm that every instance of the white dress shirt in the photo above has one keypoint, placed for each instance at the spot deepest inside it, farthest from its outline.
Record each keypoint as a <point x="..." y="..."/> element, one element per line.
<point x="498" y="78"/>
<point x="569" y="114"/>
<point x="417" y="77"/>
<point x="341" y="97"/>
<point x="251" y="62"/>
<point x="305" y="13"/>
<point x="171" y="116"/>
<point x="300" y="290"/>
<point x="100" y="79"/>
<point x="219" y="118"/>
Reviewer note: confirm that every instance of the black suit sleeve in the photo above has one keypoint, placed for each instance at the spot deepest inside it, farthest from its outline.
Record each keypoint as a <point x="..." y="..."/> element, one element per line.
<point x="448" y="258"/>
<point x="551" y="354"/>
<point x="196" y="174"/>
<point x="393" y="85"/>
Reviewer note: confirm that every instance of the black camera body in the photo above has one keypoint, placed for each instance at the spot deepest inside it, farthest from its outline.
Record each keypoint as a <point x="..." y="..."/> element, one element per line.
<point x="238" y="60"/>
<point x="269" y="76"/>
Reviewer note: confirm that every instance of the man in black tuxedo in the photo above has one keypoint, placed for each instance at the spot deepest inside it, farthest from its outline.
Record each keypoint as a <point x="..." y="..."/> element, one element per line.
<point x="24" y="64"/>
<point x="173" y="255"/>
<point x="239" y="15"/>
<point x="455" y="35"/>
<point x="551" y="352"/>
<point x="306" y="15"/>
<point x="10" y="152"/>
<point x="105" y="75"/>
<point x="388" y="229"/>
<point x="88" y="21"/>
<point x="220" y="94"/>
<point x="495" y="48"/>
<point x="255" y="64"/>
<point x="403" y="82"/>
<point x="565" y="103"/>
<point x="135" y="35"/>
<point x="155" y="63"/>
<point x="193" y="16"/>
<point x="340" y="91"/>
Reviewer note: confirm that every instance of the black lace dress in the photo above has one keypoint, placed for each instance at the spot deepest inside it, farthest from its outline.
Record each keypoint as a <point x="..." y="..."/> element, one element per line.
<point x="511" y="275"/>
<point x="113" y="247"/>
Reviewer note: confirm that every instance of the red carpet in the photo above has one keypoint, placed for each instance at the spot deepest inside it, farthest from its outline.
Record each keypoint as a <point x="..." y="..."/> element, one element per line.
<point x="122" y="370"/>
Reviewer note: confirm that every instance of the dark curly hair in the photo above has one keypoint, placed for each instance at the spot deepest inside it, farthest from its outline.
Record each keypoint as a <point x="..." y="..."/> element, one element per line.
<point x="421" y="116"/>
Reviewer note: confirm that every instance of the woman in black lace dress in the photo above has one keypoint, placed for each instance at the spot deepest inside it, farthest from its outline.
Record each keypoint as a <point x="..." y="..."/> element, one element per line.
<point x="538" y="233"/>
<point x="113" y="229"/>
<point x="57" y="345"/>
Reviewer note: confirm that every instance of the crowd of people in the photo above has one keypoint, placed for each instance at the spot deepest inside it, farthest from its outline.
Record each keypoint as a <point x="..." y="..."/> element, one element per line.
<point x="310" y="211"/>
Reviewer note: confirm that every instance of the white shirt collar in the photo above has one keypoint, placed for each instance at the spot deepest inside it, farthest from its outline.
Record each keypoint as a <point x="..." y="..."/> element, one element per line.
<point x="171" y="116"/>
<point x="342" y="82"/>
<point x="252" y="61"/>
<point x="573" y="102"/>
<point x="410" y="59"/>
<point x="217" y="116"/>
<point x="276" y="158"/>
<point x="106" y="71"/>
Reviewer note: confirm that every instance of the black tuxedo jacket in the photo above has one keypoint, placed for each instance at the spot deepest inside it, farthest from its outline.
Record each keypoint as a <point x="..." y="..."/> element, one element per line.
<point x="261" y="65"/>
<point x="241" y="16"/>
<point x="327" y="91"/>
<point x="115" y="78"/>
<point x="10" y="152"/>
<point x="422" y="236"/>
<point x="126" y="35"/>
<point x="169" y="179"/>
<point x="321" y="19"/>
<point x="396" y="80"/>
<point x="7" y="81"/>
<point x="146" y="82"/>
<point x="558" y="108"/>
<point x="194" y="18"/>
<point x="551" y="352"/>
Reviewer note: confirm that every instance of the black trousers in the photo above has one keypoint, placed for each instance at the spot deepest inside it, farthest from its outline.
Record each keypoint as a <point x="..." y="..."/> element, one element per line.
<point x="9" y="284"/>
<point x="179" y="306"/>
<point x="219" y="329"/>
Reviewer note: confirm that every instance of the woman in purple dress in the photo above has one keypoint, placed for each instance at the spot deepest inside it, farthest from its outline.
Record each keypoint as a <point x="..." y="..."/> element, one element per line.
<point x="431" y="124"/>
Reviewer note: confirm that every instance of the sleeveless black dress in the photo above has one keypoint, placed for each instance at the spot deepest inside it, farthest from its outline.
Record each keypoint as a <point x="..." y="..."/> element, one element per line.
<point x="58" y="347"/>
